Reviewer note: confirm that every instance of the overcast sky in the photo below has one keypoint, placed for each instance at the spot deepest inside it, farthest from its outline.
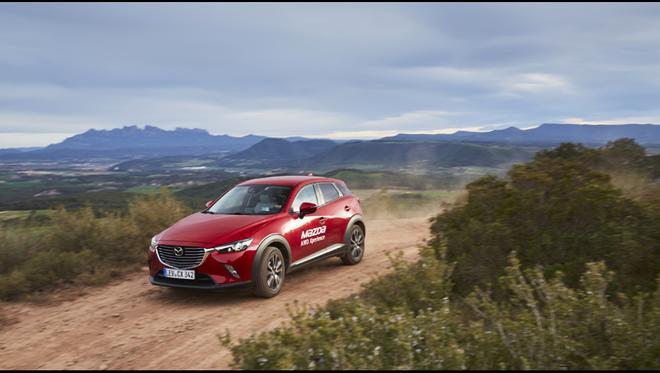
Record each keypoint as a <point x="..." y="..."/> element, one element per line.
<point x="330" y="70"/>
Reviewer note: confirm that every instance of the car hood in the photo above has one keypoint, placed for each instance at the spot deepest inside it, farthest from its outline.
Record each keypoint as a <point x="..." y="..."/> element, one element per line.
<point x="213" y="229"/>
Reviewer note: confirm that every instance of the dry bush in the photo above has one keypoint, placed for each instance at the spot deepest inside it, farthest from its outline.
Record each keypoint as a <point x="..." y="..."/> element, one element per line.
<point x="83" y="248"/>
<point x="415" y="325"/>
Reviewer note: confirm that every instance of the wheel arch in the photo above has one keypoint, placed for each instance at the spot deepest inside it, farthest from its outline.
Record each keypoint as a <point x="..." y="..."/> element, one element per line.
<point x="276" y="240"/>
<point x="355" y="219"/>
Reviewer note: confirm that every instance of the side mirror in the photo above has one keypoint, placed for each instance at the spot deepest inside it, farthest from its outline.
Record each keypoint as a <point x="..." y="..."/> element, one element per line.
<point x="209" y="203"/>
<point x="306" y="208"/>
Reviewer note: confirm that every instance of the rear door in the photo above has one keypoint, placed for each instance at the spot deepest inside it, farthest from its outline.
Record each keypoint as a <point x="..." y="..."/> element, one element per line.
<point x="332" y="212"/>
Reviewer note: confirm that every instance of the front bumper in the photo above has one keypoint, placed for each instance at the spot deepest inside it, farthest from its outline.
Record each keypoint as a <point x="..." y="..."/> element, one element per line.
<point x="211" y="273"/>
<point x="201" y="282"/>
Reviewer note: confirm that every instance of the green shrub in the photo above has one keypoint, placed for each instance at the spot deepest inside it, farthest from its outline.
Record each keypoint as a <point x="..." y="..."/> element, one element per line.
<point x="52" y="268"/>
<point x="385" y="327"/>
<point x="545" y="324"/>
<point x="18" y="244"/>
<point x="83" y="247"/>
<point x="542" y="325"/>
<point x="150" y="215"/>
<point x="423" y="285"/>
<point x="556" y="211"/>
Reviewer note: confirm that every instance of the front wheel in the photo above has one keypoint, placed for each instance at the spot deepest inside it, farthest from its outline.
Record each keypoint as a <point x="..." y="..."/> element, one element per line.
<point x="270" y="275"/>
<point x="354" y="247"/>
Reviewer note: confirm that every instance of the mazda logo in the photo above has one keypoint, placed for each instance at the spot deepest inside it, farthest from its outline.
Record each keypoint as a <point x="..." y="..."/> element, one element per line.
<point x="178" y="251"/>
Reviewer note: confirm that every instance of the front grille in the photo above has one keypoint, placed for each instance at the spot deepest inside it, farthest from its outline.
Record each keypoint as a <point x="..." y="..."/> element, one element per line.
<point x="191" y="257"/>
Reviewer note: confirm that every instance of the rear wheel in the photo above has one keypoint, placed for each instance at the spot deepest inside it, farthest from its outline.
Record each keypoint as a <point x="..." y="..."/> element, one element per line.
<point x="354" y="247"/>
<point x="270" y="274"/>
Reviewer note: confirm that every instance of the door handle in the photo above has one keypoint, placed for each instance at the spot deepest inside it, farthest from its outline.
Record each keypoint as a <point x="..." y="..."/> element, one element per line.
<point x="322" y="220"/>
<point x="347" y="208"/>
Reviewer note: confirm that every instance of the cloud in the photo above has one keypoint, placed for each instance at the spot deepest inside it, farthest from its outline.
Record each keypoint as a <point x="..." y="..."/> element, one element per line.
<point x="538" y="82"/>
<point x="488" y="81"/>
<point x="288" y="122"/>
<point x="22" y="139"/>
<point x="368" y="135"/>
<point x="427" y="119"/>
<point x="312" y="69"/>
<point x="627" y="120"/>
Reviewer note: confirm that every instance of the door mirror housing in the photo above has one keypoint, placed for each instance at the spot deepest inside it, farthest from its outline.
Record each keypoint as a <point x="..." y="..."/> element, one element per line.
<point x="209" y="203"/>
<point x="306" y="208"/>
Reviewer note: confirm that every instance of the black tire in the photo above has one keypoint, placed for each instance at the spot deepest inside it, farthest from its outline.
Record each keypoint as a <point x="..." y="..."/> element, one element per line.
<point x="270" y="273"/>
<point x="354" y="246"/>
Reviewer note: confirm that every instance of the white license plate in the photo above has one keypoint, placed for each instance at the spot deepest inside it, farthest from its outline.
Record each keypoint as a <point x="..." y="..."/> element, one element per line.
<point x="179" y="273"/>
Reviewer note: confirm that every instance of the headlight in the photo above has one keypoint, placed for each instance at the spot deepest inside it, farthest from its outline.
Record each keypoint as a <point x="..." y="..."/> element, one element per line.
<point x="153" y="244"/>
<point x="234" y="246"/>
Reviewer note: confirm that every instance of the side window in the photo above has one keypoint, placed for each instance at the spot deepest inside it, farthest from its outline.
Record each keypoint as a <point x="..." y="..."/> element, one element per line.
<point x="329" y="192"/>
<point x="344" y="189"/>
<point x="306" y="194"/>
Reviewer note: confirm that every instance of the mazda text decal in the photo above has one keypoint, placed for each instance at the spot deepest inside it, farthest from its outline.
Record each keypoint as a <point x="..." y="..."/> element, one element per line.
<point x="312" y="235"/>
<point x="313" y="232"/>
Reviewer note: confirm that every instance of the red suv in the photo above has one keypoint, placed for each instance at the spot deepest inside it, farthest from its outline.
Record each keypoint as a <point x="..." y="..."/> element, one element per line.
<point x="258" y="231"/>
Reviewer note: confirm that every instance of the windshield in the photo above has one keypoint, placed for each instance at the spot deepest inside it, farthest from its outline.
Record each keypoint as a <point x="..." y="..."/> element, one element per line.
<point x="252" y="200"/>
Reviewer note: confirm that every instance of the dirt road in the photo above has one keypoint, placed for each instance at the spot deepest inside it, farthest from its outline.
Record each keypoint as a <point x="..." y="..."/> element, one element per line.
<point x="132" y="324"/>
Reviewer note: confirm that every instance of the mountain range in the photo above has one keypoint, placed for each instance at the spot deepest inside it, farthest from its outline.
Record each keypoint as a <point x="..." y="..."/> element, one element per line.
<point x="151" y="137"/>
<point x="131" y="142"/>
<point x="549" y="134"/>
<point x="150" y="147"/>
<point x="421" y="155"/>
<point x="281" y="149"/>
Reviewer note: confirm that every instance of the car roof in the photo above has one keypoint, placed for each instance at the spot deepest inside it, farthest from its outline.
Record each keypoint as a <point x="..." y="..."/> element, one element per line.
<point x="292" y="181"/>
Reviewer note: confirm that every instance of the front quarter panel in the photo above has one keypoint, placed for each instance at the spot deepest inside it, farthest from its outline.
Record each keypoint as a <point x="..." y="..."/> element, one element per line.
<point x="243" y="261"/>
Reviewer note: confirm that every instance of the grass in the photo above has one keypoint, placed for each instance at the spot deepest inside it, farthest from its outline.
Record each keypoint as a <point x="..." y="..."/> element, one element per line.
<point x="79" y="246"/>
<point x="30" y="220"/>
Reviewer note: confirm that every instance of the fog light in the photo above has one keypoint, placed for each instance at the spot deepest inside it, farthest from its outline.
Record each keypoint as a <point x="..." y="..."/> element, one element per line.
<point x="232" y="271"/>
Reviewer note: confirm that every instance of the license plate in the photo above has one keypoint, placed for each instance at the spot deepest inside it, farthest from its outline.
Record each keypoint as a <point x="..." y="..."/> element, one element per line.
<point x="179" y="273"/>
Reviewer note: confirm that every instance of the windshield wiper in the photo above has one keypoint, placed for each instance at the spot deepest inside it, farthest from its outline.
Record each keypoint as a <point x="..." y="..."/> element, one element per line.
<point x="207" y="212"/>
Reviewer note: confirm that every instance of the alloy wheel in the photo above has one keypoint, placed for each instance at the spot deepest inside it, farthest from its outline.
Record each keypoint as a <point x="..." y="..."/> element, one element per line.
<point x="274" y="271"/>
<point x="357" y="243"/>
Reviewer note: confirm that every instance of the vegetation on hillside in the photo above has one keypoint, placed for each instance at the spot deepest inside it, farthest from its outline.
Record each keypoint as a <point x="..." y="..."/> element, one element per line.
<point x="389" y="155"/>
<point x="551" y="268"/>
<point x="559" y="211"/>
<point x="411" y="319"/>
<point x="75" y="188"/>
<point x="81" y="247"/>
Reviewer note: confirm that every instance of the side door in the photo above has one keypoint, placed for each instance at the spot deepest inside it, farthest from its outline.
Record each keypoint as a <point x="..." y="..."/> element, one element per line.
<point x="331" y="212"/>
<point x="306" y="235"/>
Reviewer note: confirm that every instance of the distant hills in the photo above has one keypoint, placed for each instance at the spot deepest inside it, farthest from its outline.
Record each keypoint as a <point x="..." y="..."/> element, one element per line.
<point x="132" y="141"/>
<point x="151" y="148"/>
<point x="381" y="154"/>
<point x="548" y="134"/>
<point x="281" y="149"/>
<point x="150" y="137"/>
<point x="323" y="155"/>
<point x="426" y="151"/>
